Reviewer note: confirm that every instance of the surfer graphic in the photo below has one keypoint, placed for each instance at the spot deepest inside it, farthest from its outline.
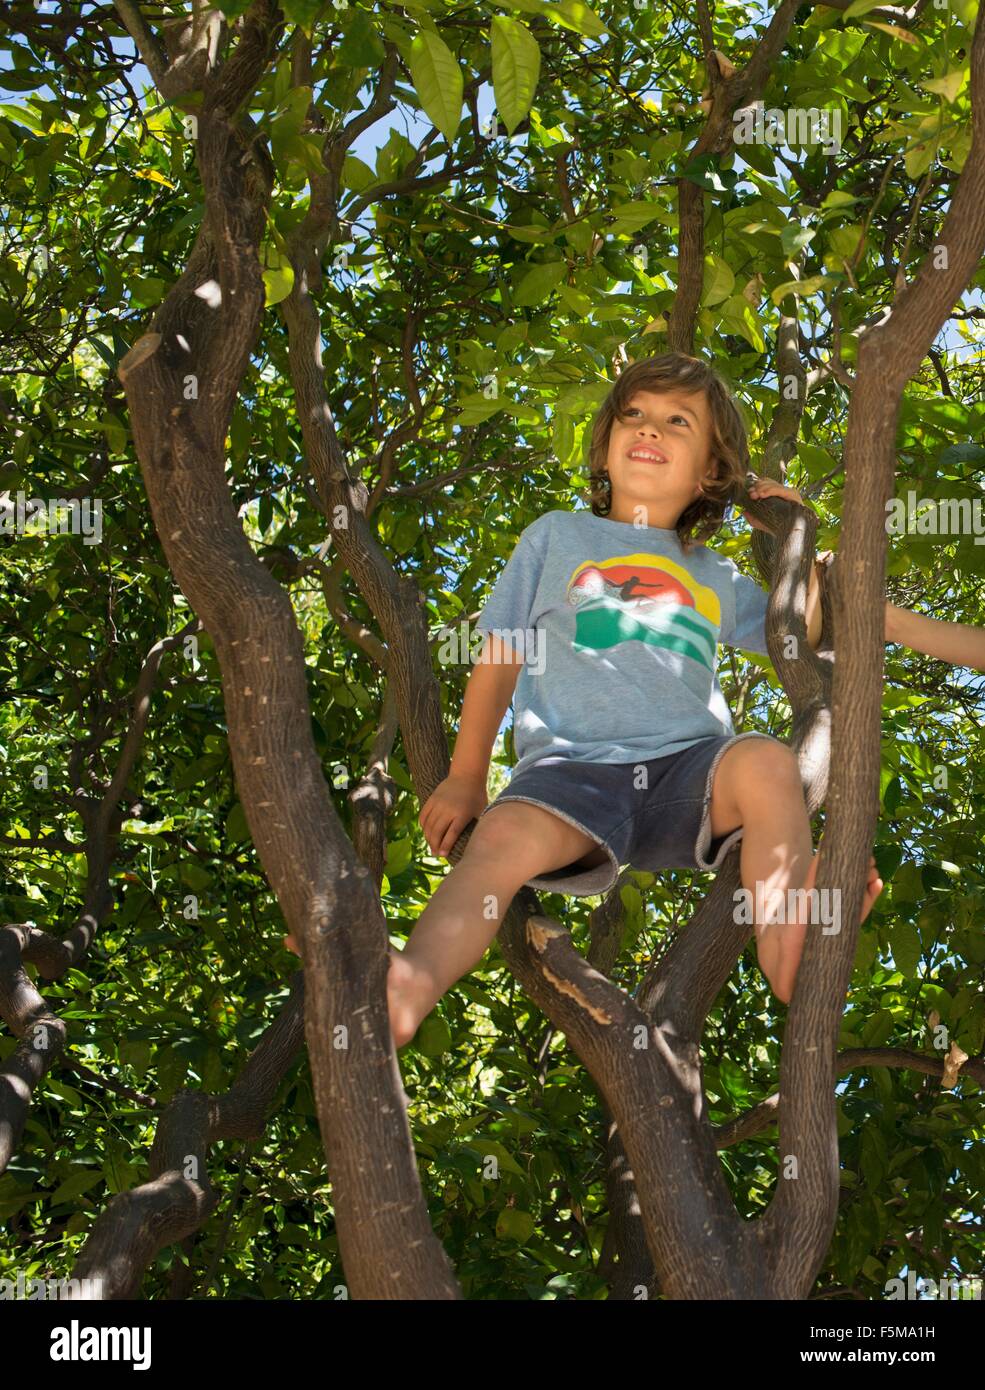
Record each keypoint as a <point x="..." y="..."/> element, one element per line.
<point x="645" y="598"/>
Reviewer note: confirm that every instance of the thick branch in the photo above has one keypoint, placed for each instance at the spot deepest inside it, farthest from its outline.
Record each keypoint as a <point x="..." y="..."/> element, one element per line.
<point x="801" y="1217"/>
<point x="729" y="95"/>
<point x="178" y="1197"/>
<point x="149" y="47"/>
<point x="761" y="1116"/>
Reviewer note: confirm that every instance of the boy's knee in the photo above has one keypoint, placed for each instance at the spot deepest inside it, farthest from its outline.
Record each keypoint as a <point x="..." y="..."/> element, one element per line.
<point x="778" y="757"/>
<point x="523" y="840"/>
<point x="501" y="832"/>
<point x="768" y="768"/>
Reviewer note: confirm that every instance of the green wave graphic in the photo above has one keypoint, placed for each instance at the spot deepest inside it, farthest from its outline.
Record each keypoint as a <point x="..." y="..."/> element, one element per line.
<point x="684" y="631"/>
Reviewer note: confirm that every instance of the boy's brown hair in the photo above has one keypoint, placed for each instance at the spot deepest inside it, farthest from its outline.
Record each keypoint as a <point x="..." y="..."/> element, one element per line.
<point x="675" y="371"/>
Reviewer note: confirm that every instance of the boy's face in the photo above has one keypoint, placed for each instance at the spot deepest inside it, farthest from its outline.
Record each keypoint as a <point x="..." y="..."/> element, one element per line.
<point x="658" y="456"/>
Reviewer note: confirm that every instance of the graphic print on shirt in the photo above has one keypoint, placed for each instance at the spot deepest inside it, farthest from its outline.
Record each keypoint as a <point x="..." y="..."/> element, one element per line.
<point x="644" y="598"/>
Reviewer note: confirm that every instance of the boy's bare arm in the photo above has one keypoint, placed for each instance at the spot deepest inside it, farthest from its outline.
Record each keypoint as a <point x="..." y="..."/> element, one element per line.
<point x="813" y="615"/>
<point x="957" y="643"/>
<point x="461" y="797"/>
<point x="487" y="698"/>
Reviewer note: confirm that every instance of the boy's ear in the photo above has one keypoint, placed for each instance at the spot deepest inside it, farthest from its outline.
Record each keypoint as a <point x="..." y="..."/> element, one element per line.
<point x="714" y="471"/>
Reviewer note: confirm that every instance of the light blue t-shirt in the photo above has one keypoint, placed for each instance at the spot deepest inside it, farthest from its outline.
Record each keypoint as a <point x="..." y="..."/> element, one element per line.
<point x="619" y="630"/>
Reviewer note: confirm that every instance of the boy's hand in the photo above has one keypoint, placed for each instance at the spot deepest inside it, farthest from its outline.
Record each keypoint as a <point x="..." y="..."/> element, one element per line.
<point x="767" y="487"/>
<point x="454" y="802"/>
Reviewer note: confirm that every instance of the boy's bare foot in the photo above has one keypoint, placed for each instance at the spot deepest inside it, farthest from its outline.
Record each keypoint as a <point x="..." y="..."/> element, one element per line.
<point x="779" y="954"/>
<point x="873" y="887"/>
<point x="408" y="993"/>
<point x="409" y="996"/>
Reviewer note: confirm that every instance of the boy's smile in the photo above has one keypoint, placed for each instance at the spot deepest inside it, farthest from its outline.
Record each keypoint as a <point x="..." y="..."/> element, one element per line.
<point x="658" y="456"/>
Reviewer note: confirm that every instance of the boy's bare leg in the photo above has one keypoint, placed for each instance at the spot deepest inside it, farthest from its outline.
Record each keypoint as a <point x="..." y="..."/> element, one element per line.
<point x="506" y="849"/>
<point x="784" y="951"/>
<point x="757" y="785"/>
<point x="776" y="855"/>
<point x="455" y="930"/>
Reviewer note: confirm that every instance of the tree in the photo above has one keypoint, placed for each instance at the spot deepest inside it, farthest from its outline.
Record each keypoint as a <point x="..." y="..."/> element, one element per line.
<point x="209" y="282"/>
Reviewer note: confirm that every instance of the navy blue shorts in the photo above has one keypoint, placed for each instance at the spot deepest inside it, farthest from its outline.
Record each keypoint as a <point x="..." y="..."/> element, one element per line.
<point x="658" y="821"/>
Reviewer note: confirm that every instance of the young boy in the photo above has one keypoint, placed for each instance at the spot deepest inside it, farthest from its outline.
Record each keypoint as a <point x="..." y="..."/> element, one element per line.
<point x="606" y="622"/>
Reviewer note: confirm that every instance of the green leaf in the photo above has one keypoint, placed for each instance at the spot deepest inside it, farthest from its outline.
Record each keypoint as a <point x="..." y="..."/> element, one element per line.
<point x="888" y="859"/>
<point x="199" y="771"/>
<point x="800" y="288"/>
<point x="733" y="1079"/>
<point x="360" y="46"/>
<point x="861" y="7"/>
<point x="631" y="217"/>
<point x="278" y="276"/>
<point x="949" y="85"/>
<point x="866" y="951"/>
<point x="405" y="534"/>
<point x="570" y="14"/>
<point x="962" y="453"/>
<point x="905" y="946"/>
<point x="23" y="115"/>
<point x="171" y="1069"/>
<point x="195" y="876"/>
<point x="398" y="855"/>
<point x="563" y="437"/>
<point x="577" y="16"/>
<point x="516" y="68"/>
<point x="302" y="12"/>
<point x="512" y="1224"/>
<point x="21" y="81"/>
<point x="818" y="461"/>
<point x="393" y="157"/>
<point x="357" y="175"/>
<point x="893" y="795"/>
<point x="433" y="1037"/>
<point x="706" y="173"/>
<point x="519" y="410"/>
<point x="486" y="1147"/>
<point x="894" y="31"/>
<point x="237" y="829"/>
<point x="843" y="241"/>
<point x="919" y="157"/>
<point x="65" y="1092"/>
<point x="136" y="1053"/>
<point x="117" y="1169"/>
<point x="739" y="316"/>
<point x="438" y="81"/>
<point x="77" y="1183"/>
<point x="836" y="200"/>
<point x="794" y="238"/>
<point x="11" y="1203"/>
<point x="538" y="282"/>
<point x="878" y="1028"/>
<point x="875" y="1156"/>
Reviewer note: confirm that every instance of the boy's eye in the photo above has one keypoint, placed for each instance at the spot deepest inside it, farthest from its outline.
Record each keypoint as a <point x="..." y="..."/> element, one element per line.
<point x="635" y="410"/>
